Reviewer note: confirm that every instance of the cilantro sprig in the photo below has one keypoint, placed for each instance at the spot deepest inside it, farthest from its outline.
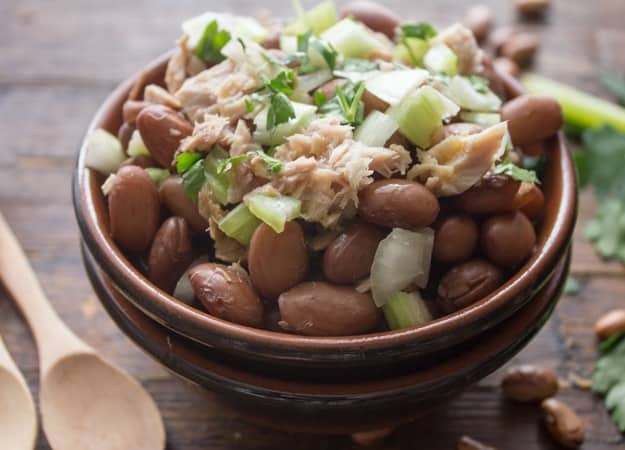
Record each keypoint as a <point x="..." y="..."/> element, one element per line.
<point x="422" y="30"/>
<point x="515" y="172"/>
<point x="609" y="378"/>
<point x="213" y="39"/>
<point x="347" y="104"/>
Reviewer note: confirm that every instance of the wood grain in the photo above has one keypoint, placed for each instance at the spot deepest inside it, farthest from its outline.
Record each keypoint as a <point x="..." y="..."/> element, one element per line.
<point x="59" y="59"/>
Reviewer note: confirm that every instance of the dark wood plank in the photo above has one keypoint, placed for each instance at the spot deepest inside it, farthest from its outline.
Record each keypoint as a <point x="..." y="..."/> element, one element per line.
<point x="59" y="59"/>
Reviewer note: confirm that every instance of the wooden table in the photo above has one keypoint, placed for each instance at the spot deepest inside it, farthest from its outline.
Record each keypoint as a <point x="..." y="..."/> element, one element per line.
<point x="58" y="60"/>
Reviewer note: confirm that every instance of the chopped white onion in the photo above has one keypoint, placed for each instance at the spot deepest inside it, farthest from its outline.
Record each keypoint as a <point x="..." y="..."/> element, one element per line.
<point x="104" y="152"/>
<point x="376" y="129"/>
<point x="183" y="290"/>
<point x="136" y="146"/>
<point x="462" y="92"/>
<point x="401" y="260"/>
<point x="238" y="26"/>
<point x="392" y="87"/>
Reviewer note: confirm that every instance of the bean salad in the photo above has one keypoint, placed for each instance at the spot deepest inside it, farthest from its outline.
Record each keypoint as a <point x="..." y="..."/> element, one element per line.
<point x="337" y="174"/>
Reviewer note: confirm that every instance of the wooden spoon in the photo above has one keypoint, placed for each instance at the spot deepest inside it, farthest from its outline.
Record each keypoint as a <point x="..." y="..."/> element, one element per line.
<point x="18" y="417"/>
<point x="86" y="402"/>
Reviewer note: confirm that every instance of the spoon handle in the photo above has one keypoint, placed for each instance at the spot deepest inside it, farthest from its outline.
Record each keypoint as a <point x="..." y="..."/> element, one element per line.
<point x="54" y="338"/>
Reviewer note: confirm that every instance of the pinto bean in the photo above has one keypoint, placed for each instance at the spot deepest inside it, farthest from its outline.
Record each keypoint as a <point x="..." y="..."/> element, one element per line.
<point x="131" y="110"/>
<point x="162" y="129"/>
<point x="324" y="309"/>
<point x="272" y="41"/>
<point x="521" y="48"/>
<point x="529" y="383"/>
<point x="141" y="161"/>
<point x="398" y="203"/>
<point x="562" y="423"/>
<point x="461" y="129"/>
<point x="328" y="89"/>
<point x="374" y="15"/>
<point x="532" y="118"/>
<point x="532" y="7"/>
<point x="134" y="209"/>
<point x="493" y="194"/>
<point x="277" y="261"/>
<point x="179" y="204"/>
<point x="610" y="323"/>
<point x="373" y="103"/>
<point x="507" y="240"/>
<point x="125" y="134"/>
<point x="480" y="20"/>
<point x="349" y="256"/>
<point x="467" y="283"/>
<point x="226" y="293"/>
<point x="507" y="65"/>
<point x="455" y="238"/>
<point x="530" y="200"/>
<point x="170" y="254"/>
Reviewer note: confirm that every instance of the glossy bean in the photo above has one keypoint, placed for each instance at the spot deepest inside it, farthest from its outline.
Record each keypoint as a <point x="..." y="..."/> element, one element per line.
<point x="562" y="423"/>
<point x="170" y="254"/>
<point x="499" y="37"/>
<point x="134" y="209"/>
<point x="461" y="129"/>
<point x="455" y="238"/>
<point x="467" y="283"/>
<point x="328" y="89"/>
<point x="349" y="256"/>
<point x="480" y="20"/>
<point x="610" y="324"/>
<point x="374" y="15"/>
<point x="272" y="41"/>
<point x="467" y="443"/>
<point x="141" y="161"/>
<point x="162" y="129"/>
<point x="532" y="118"/>
<point x="226" y="293"/>
<point x="532" y="7"/>
<point x="373" y="103"/>
<point x="507" y="240"/>
<point x="398" y="203"/>
<point x="125" y="134"/>
<point x="521" y="48"/>
<point x="277" y="261"/>
<point x="493" y="194"/>
<point x="530" y="200"/>
<point x="179" y="204"/>
<point x="507" y="65"/>
<point x="324" y="309"/>
<point x="527" y="383"/>
<point x="131" y="110"/>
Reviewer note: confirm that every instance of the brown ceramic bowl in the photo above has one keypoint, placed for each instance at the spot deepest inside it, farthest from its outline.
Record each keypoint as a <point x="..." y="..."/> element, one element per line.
<point x="318" y="355"/>
<point x="328" y="407"/>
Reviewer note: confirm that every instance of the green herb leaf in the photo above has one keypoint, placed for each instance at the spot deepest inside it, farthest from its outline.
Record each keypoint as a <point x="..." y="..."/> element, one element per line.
<point x="606" y="160"/>
<point x="572" y="286"/>
<point x="303" y="41"/>
<point x="273" y="165"/>
<point x="347" y="104"/>
<point x="283" y="82"/>
<point x="480" y="84"/>
<point x="280" y="110"/>
<point x="193" y="179"/>
<point x="609" y="378"/>
<point x="320" y="98"/>
<point x="614" y="84"/>
<point x="609" y="343"/>
<point x="210" y="44"/>
<point x="185" y="160"/>
<point x="515" y="172"/>
<point x="423" y="30"/>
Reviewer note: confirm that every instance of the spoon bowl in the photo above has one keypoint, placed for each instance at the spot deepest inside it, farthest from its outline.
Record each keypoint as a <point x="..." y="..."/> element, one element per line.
<point x="87" y="403"/>
<point x="18" y="418"/>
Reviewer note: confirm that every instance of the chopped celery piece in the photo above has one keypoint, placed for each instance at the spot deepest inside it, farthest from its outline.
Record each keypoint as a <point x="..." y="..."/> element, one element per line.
<point x="237" y="26"/>
<point x="274" y="211"/>
<point x="484" y="119"/>
<point x="421" y="113"/>
<point x="103" y="152"/>
<point x="108" y="184"/>
<point x="157" y="175"/>
<point x="392" y="87"/>
<point x="376" y="130"/>
<point x="306" y="83"/>
<point x="278" y="134"/>
<point x="411" y="50"/>
<point x="239" y="224"/>
<point x="318" y="19"/>
<point x="136" y="147"/>
<point x="441" y="59"/>
<point x="351" y="39"/>
<point x="579" y="108"/>
<point x="403" y="310"/>
<point x="464" y="94"/>
<point x="217" y="182"/>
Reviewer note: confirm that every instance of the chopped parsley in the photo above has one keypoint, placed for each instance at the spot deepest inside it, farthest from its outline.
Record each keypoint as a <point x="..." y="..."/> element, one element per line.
<point x="193" y="179"/>
<point x="480" y="84"/>
<point x="185" y="160"/>
<point x="614" y="84"/>
<point x="347" y="104"/>
<point x="283" y="82"/>
<point x="515" y="172"/>
<point x="609" y="377"/>
<point x="273" y="165"/>
<point x="328" y="52"/>
<point x="210" y="44"/>
<point x="280" y="110"/>
<point x="320" y="98"/>
<point x="423" y="31"/>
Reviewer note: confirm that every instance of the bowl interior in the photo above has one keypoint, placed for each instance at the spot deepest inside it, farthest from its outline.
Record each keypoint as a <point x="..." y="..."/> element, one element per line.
<point x="552" y="241"/>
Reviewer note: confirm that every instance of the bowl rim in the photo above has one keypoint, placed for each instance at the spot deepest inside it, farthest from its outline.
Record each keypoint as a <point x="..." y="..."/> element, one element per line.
<point x="162" y="306"/>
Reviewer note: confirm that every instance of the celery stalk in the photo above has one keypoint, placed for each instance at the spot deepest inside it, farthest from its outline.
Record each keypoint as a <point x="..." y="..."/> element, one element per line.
<point x="239" y="224"/>
<point x="403" y="310"/>
<point x="579" y="108"/>
<point x="421" y="113"/>
<point x="317" y="19"/>
<point x="217" y="182"/>
<point x="274" y="211"/>
<point x="484" y="119"/>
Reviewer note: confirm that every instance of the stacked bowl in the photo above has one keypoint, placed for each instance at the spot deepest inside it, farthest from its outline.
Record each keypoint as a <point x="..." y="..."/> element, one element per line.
<point x="327" y="384"/>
